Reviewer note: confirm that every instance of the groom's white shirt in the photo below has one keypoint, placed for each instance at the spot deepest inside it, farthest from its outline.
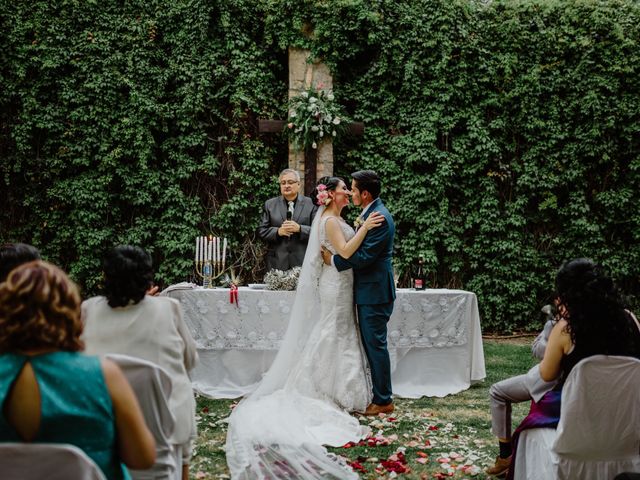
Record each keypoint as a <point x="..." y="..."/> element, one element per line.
<point x="364" y="210"/>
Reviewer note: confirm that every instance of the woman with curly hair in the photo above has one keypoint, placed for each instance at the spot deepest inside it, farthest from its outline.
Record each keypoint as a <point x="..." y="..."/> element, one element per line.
<point x="129" y="322"/>
<point x="53" y="393"/>
<point x="592" y="320"/>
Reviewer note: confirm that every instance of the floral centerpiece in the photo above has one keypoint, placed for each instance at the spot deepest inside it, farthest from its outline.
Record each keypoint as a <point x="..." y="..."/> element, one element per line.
<point x="313" y="116"/>
<point x="282" y="280"/>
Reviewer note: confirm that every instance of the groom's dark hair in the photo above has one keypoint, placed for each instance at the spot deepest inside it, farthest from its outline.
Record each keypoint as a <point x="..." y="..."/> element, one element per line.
<point x="367" y="180"/>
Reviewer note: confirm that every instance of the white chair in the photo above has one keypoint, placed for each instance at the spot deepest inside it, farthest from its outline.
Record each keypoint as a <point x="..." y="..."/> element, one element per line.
<point x="598" y="435"/>
<point x="152" y="386"/>
<point x="53" y="461"/>
<point x="534" y="457"/>
<point x="599" y="431"/>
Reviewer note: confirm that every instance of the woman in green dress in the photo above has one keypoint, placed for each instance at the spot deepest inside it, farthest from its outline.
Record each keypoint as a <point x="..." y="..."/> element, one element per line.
<point x="53" y="393"/>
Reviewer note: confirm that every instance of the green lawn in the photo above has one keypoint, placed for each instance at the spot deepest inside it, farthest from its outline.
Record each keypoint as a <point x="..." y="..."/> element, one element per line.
<point x="426" y="431"/>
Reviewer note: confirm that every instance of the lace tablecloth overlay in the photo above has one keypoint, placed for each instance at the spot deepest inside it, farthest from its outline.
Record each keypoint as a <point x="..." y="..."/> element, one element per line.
<point x="434" y="337"/>
<point x="430" y="318"/>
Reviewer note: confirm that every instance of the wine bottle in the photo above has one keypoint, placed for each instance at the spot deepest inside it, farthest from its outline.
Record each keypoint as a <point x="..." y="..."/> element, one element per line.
<point x="420" y="281"/>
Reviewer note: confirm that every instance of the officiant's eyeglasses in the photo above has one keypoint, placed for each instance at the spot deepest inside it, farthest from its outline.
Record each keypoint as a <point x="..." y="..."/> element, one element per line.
<point x="288" y="182"/>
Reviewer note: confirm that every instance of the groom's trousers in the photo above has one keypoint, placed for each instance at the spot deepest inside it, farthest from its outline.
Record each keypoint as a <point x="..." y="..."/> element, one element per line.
<point x="373" y="329"/>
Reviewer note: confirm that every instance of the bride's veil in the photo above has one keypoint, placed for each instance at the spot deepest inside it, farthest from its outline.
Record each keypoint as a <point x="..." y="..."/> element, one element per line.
<point x="306" y="308"/>
<point x="277" y="432"/>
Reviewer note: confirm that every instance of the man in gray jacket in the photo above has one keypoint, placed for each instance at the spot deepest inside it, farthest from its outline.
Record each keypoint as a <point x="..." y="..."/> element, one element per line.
<point x="521" y="388"/>
<point x="286" y="223"/>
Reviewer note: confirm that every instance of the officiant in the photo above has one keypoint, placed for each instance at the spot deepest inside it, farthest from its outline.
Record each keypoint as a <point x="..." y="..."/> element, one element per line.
<point x="286" y="223"/>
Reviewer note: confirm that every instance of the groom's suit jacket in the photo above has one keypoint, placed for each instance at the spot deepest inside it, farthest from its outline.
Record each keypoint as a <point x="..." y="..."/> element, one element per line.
<point x="371" y="263"/>
<point x="286" y="252"/>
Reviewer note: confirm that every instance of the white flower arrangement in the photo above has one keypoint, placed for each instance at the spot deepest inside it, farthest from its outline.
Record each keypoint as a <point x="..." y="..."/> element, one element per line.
<point x="313" y="114"/>
<point x="282" y="280"/>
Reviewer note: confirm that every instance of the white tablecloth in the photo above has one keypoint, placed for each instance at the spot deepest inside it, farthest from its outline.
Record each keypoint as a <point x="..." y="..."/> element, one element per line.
<point x="434" y="337"/>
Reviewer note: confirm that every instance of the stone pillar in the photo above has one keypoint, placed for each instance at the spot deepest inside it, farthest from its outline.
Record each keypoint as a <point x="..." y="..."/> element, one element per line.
<point x="303" y="75"/>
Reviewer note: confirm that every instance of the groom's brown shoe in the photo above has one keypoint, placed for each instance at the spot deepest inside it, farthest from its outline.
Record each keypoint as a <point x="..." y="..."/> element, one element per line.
<point x="375" y="409"/>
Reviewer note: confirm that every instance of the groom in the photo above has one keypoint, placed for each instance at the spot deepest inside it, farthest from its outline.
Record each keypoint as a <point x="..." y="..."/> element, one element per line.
<point x="374" y="286"/>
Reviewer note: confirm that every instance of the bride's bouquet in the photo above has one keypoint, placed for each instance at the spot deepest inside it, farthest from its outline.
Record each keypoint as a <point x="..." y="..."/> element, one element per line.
<point x="282" y="280"/>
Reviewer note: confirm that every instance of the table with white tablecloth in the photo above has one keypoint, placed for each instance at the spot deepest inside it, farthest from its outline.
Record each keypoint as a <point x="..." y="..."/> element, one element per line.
<point x="434" y="337"/>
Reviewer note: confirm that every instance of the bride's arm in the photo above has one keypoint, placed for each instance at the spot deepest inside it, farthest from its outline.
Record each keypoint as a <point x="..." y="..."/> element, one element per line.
<point x="336" y="237"/>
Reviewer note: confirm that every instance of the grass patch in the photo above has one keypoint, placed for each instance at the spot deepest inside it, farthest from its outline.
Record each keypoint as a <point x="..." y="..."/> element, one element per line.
<point x="456" y="427"/>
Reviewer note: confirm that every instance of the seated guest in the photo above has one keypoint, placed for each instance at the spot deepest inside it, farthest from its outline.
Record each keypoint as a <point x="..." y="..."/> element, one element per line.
<point x="592" y="321"/>
<point x="14" y="254"/>
<point x="52" y="393"/>
<point x="286" y="223"/>
<point x="129" y="322"/>
<point x="520" y="388"/>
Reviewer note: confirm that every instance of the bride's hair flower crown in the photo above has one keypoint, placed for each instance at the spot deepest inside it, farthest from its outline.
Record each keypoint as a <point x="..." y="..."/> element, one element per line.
<point x="323" y="195"/>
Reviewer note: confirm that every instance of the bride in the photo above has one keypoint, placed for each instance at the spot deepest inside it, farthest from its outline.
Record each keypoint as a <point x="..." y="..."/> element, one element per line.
<point x="320" y="372"/>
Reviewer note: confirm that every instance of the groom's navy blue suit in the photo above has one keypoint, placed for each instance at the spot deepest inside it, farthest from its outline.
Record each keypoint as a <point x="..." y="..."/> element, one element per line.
<point x="375" y="292"/>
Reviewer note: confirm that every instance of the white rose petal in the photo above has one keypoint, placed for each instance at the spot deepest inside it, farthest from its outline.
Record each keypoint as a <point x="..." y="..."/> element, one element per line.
<point x="336" y="121"/>
<point x="304" y="94"/>
<point x="330" y="96"/>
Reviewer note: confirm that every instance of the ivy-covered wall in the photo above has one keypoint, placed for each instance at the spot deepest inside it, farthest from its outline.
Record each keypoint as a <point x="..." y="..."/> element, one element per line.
<point x="507" y="132"/>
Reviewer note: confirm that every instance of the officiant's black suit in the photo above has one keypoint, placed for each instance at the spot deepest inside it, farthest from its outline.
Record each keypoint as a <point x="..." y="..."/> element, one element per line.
<point x="286" y="252"/>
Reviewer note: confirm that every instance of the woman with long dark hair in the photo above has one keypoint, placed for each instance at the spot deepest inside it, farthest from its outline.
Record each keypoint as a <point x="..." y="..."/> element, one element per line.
<point x="592" y="320"/>
<point x="128" y="321"/>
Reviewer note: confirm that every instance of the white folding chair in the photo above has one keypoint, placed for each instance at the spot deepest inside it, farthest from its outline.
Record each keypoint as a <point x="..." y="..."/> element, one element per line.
<point x="599" y="431"/>
<point x="152" y="386"/>
<point x="53" y="461"/>
<point x="598" y="435"/>
<point x="534" y="457"/>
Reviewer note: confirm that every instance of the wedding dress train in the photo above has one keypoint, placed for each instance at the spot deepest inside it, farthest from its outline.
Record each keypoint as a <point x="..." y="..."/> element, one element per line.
<point x="319" y="374"/>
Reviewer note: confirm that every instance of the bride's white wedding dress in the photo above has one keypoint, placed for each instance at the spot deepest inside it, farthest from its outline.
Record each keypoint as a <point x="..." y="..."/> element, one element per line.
<point x="319" y="374"/>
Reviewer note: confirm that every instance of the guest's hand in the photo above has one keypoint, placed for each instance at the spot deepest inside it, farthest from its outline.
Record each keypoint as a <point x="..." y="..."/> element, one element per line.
<point x="326" y="256"/>
<point x="153" y="290"/>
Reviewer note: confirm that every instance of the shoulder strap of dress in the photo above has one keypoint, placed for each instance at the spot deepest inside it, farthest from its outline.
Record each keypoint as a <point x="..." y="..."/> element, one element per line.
<point x="327" y="217"/>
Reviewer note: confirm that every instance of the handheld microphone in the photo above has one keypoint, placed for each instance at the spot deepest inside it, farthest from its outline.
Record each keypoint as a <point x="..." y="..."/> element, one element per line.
<point x="290" y="211"/>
